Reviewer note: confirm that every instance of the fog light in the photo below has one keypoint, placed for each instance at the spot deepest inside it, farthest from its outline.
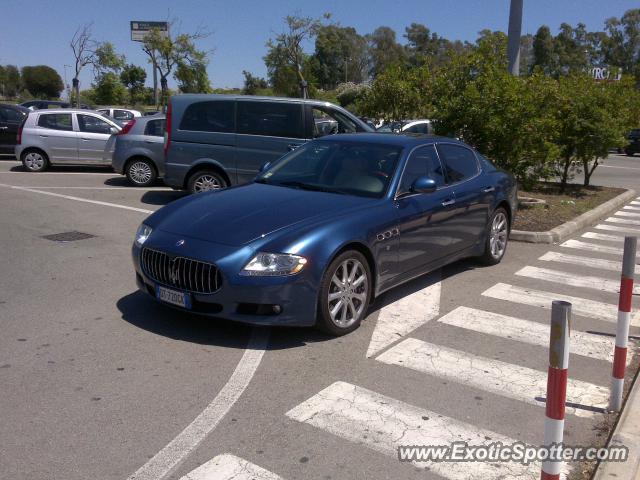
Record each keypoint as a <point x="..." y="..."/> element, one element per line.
<point x="277" y="309"/>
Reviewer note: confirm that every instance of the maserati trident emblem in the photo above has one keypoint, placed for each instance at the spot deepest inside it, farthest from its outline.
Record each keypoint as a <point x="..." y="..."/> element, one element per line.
<point x="179" y="243"/>
<point x="174" y="274"/>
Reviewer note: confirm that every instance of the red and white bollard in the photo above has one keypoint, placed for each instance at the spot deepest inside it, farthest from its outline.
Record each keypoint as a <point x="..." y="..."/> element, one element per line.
<point x="624" y="316"/>
<point x="556" y="384"/>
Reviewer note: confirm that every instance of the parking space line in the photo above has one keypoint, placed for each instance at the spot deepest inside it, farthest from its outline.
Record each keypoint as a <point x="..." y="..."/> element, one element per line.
<point x="617" y="228"/>
<point x="230" y="467"/>
<point x="627" y="221"/>
<point x="580" y="281"/>
<point x="150" y="189"/>
<point x="598" y="263"/>
<point x="532" y="333"/>
<point x="592" y="247"/>
<point x="112" y="174"/>
<point x="383" y="424"/>
<point x="168" y="459"/>
<point x="538" y="298"/>
<point x="603" y="237"/>
<point x="78" y="199"/>
<point x="499" y="378"/>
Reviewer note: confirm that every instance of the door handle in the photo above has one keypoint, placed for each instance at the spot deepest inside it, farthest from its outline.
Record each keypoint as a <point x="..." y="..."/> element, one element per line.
<point x="44" y="136"/>
<point x="446" y="203"/>
<point x="4" y="128"/>
<point x="149" y="141"/>
<point x="292" y="146"/>
<point x="86" y="139"/>
<point x="488" y="189"/>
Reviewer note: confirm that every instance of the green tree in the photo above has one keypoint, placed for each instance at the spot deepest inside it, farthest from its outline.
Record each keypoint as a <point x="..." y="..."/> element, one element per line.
<point x="424" y="45"/>
<point x="109" y="90"/>
<point x="133" y="78"/>
<point x="42" y="81"/>
<point x="340" y="56"/>
<point x="622" y="46"/>
<point x="543" y="50"/>
<point x="106" y="59"/>
<point x="192" y="77"/>
<point x="253" y="84"/>
<point x="384" y="50"/>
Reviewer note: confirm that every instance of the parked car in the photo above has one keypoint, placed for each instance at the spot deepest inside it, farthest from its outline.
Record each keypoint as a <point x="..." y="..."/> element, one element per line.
<point x="634" y="142"/>
<point x="138" y="152"/>
<point x="325" y="229"/>
<point x="120" y="115"/>
<point x="407" y="126"/>
<point x="46" y="104"/>
<point x="66" y="137"/>
<point x="214" y="141"/>
<point x="11" y="117"/>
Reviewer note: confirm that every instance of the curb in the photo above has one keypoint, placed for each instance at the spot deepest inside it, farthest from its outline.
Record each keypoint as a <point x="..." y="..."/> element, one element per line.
<point x="627" y="433"/>
<point x="561" y="232"/>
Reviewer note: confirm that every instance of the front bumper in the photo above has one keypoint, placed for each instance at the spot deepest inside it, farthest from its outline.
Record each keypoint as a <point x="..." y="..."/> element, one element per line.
<point x="240" y="298"/>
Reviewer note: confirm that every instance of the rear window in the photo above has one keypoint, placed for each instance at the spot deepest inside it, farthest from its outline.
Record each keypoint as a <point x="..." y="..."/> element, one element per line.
<point x="56" y="121"/>
<point x="272" y="119"/>
<point x="216" y="116"/>
<point x="122" y="115"/>
<point x="155" y="128"/>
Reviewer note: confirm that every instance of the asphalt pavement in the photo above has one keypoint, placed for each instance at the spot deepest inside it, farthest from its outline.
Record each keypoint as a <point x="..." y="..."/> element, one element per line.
<point x="99" y="381"/>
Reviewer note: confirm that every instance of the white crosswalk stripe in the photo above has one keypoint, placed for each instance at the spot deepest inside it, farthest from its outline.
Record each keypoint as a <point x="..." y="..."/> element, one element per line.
<point x="617" y="228"/>
<point x="592" y="247"/>
<point x="603" y="237"/>
<point x="626" y="221"/>
<point x="598" y="347"/>
<point x="581" y="281"/>
<point x="230" y="467"/>
<point x="623" y="213"/>
<point x="383" y="424"/>
<point x="632" y="207"/>
<point x="500" y="378"/>
<point x="598" y="263"/>
<point x="538" y="298"/>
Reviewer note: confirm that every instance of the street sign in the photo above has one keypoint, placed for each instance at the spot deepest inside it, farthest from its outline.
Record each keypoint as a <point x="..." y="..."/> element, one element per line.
<point x="140" y="29"/>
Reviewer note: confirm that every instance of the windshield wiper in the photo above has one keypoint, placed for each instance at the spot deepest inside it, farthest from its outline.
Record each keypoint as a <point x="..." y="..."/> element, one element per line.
<point x="309" y="186"/>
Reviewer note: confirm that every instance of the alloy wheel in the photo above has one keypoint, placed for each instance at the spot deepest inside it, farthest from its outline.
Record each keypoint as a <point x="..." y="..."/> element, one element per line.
<point x="34" y="161"/>
<point x="498" y="235"/>
<point x="347" y="296"/>
<point x="206" y="183"/>
<point x="140" y="172"/>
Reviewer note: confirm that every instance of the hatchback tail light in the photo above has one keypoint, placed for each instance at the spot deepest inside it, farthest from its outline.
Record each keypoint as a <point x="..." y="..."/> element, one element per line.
<point x="127" y="127"/>
<point x="19" y="137"/>
<point x="167" y="130"/>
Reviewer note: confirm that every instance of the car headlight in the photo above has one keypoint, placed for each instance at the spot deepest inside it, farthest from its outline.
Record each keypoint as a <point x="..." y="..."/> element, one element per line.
<point x="273" y="264"/>
<point x="143" y="234"/>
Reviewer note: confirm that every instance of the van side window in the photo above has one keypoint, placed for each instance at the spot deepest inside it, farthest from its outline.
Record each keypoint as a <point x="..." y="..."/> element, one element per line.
<point x="216" y="116"/>
<point x="273" y="119"/>
<point x="329" y="121"/>
<point x="56" y="121"/>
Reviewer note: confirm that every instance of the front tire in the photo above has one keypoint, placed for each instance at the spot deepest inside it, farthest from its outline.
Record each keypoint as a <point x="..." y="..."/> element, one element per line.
<point x="345" y="292"/>
<point x="497" y="237"/>
<point x="35" y="161"/>
<point x="206" y="181"/>
<point x="141" y="172"/>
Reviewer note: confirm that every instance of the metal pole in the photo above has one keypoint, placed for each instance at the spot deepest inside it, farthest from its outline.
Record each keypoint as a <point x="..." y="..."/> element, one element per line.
<point x="622" y="330"/>
<point x="155" y="83"/>
<point x="515" y="29"/>
<point x="556" y="386"/>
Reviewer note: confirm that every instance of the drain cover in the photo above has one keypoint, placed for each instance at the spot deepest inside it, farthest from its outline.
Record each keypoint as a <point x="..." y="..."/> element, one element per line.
<point x="68" y="236"/>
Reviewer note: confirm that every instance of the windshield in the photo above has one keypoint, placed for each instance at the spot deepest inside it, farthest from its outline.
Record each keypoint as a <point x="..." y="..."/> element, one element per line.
<point x="361" y="169"/>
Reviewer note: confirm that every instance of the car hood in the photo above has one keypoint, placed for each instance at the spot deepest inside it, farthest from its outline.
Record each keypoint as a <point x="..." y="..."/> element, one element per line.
<point x="240" y="215"/>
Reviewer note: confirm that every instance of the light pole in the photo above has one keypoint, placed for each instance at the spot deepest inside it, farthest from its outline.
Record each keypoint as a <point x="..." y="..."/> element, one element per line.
<point x="515" y="30"/>
<point x="66" y="84"/>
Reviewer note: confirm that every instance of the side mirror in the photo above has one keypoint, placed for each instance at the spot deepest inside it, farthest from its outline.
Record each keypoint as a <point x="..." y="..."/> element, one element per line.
<point x="264" y="166"/>
<point x="423" y="185"/>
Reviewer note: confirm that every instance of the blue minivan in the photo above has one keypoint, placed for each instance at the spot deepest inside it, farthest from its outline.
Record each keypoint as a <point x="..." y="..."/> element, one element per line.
<point x="214" y="141"/>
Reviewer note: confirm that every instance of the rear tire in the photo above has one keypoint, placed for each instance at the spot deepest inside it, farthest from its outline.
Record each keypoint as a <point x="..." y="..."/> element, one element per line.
<point x="141" y="172"/>
<point x="497" y="237"/>
<point x="206" y="181"/>
<point x="345" y="292"/>
<point x="35" y="160"/>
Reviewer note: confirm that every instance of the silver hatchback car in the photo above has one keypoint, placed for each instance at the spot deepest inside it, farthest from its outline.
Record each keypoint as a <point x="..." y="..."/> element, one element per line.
<point x="65" y="137"/>
<point x="138" y="152"/>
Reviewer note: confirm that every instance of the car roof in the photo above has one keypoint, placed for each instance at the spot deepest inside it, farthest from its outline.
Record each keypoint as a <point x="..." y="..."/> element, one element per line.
<point x="15" y="107"/>
<point x="67" y="110"/>
<point x="393" y="139"/>
<point x="188" y="97"/>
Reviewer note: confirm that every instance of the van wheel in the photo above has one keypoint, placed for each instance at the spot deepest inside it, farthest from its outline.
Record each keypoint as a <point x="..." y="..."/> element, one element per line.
<point x="140" y="172"/>
<point x="35" y="160"/>
<point x="206" y="181"/>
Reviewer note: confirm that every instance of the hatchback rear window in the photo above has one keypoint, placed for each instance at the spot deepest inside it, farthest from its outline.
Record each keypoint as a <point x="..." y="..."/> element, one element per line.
<point x="272" y="119"/>
<point x="217" y="116"/>
<point x="56" y="121"/>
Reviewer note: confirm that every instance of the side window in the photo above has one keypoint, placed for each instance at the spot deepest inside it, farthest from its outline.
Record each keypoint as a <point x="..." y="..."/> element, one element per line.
<point x="10" y="115"/>
<point x="91" y="124"/>
<point x="209" y="117"/>
<point x="329" y="121"/>
<point x="422" y="162"/>
<point x="122" y="115"/>
<point x="460" y="162"/>
<point x="273" y="119"/>
<point x="56" y="121"/>
<point x="155" y="128"/>
<point x="418" y="128"/>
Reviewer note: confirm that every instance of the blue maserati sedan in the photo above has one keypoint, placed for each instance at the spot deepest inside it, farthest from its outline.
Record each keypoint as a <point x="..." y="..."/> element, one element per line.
<point x="326" y="228"/>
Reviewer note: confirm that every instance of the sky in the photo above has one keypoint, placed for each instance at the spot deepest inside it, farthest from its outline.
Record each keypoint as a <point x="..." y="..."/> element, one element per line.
<point x="37" y="32"/>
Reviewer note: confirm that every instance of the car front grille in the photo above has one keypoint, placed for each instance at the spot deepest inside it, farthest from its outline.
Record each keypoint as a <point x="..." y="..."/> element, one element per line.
<point x="179" y="272"/>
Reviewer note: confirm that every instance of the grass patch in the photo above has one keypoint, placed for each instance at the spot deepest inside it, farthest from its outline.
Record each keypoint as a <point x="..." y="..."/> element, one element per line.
<point x="560" y="207"/>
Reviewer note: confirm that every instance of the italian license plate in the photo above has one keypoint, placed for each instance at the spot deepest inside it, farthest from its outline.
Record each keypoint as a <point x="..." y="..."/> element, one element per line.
<point x="174" y="297"/>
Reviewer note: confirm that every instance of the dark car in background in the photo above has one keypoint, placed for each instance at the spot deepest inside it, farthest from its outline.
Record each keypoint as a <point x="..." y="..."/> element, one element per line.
<point x="325" y="229"/>
<point x="634" y="142"/>
<point x="138" y="152"/>
<point x="11" y="117"/>
<point x="45" y="104"/>
<point x="214" y="141"/>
